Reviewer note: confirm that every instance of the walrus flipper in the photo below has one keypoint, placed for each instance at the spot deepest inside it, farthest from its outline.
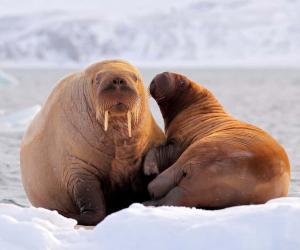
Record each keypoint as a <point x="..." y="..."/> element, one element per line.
<point x="160" y="158"/>
<point x="164" y="189"/>
<point x="166" y="181"/>
<point x="88" y="197"/>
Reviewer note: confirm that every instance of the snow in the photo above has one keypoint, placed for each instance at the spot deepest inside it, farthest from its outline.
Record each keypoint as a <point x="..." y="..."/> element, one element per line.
<point x="198" y="32"/>
<point x="274" y="225"/>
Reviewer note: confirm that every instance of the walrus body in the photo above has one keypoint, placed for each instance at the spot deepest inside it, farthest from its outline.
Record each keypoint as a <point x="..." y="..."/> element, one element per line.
<point x="215" y="160"/>
<point x="82" y="154"/>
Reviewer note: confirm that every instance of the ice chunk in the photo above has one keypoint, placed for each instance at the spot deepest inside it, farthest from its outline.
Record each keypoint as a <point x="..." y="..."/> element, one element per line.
<point x="18" y="120"/>
<point x="6" y="79"/>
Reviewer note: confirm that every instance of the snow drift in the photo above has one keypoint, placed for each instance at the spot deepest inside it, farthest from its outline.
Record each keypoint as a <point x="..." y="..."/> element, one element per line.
<point x="275" y="225"/>
<point x="202" y="33"/>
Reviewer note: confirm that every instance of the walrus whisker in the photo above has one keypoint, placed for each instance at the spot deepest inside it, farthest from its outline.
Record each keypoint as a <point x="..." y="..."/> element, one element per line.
<point x="106" y="120"/>
<point x="129" y="122"/>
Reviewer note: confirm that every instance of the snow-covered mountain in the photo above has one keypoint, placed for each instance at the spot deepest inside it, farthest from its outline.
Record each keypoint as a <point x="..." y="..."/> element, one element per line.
<point x="203" y="32"/>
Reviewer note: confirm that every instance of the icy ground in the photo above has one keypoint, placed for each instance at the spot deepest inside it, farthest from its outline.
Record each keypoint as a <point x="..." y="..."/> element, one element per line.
<point x="275" y="225"/>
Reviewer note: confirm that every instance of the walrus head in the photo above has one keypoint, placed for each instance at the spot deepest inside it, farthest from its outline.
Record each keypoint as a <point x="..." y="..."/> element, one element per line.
<point x="175" y="93"/>
<point x="172" y="92"/>
<point x="118" y="92"/>
<point x="167" y="86"/>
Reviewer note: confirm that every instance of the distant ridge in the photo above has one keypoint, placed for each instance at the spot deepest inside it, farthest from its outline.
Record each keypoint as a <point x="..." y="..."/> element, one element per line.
<point x="205" y="32"/>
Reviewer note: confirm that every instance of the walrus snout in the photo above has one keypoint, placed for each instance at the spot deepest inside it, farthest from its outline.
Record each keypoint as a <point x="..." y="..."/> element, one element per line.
<point x="118" y="81"/>
<point x="117" y="96"/>
<point x="116" y="91"/>
<point x="119" y="107"/>
<point x="116" y="84"/>
<point x="162" y="86"/>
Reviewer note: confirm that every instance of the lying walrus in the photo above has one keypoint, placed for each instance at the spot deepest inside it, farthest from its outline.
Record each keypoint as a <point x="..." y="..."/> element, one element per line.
<point x="215" y="160"/>
<point x="82" y="154"/>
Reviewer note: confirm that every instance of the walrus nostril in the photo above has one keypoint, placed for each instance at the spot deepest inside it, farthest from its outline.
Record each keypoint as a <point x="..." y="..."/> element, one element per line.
<point x="152" y="87"/>
<point x="161" y="86"/>
<point x="118" y="81"/>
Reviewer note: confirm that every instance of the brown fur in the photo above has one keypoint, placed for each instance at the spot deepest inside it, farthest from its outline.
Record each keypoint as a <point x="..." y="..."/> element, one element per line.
<point x="215" y="160"/>
<point x="70" y="164"/>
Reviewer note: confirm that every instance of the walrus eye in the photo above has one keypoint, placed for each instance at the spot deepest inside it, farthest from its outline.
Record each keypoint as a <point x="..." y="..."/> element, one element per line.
<point x="98" y="78"/>
<point x="97" y="82"/>
<point x="134" y="77"/>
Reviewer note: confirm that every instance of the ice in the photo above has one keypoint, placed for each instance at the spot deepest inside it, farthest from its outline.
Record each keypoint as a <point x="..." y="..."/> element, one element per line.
<point x="6" y="79"/>
<point x="274" y="225"/>
<point x="19" y="120"/>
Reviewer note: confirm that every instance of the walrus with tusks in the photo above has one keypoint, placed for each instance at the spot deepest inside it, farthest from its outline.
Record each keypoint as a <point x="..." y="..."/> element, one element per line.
<point x="82" y="154"/>
<point x="214" y="160"/>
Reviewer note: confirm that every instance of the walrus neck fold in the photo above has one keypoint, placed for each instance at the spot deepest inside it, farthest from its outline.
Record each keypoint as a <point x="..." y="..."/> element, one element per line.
<point x="202" y="116"/>
<point x="171" y="107"/>
<point x="201" y="100"/>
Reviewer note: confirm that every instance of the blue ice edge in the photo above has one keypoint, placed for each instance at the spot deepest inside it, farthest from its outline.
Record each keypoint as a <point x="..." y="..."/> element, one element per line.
<point x="18" y="120"/>
<point x="6" y="79"/>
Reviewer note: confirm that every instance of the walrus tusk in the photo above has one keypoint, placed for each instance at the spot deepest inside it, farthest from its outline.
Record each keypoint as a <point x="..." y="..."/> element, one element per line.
<point x="106" y="120"/>
<point x="129" y="122"/>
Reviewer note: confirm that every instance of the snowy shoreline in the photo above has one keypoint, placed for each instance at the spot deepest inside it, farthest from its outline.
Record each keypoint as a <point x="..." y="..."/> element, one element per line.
<point x="274" y="225"/>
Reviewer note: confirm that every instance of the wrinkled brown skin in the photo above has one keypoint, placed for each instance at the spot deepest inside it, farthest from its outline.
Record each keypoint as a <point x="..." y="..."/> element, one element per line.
<point x="70" y="164"/>
<point x="210" y="159"/>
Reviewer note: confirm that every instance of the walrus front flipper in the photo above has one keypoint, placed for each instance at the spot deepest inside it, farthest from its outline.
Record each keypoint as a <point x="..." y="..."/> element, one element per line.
<point x="89" y="199"/>
<point x="160" y="158"/>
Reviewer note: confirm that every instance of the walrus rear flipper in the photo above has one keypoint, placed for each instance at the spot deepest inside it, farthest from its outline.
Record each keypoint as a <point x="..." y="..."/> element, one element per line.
<point x="166" y="181"/>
